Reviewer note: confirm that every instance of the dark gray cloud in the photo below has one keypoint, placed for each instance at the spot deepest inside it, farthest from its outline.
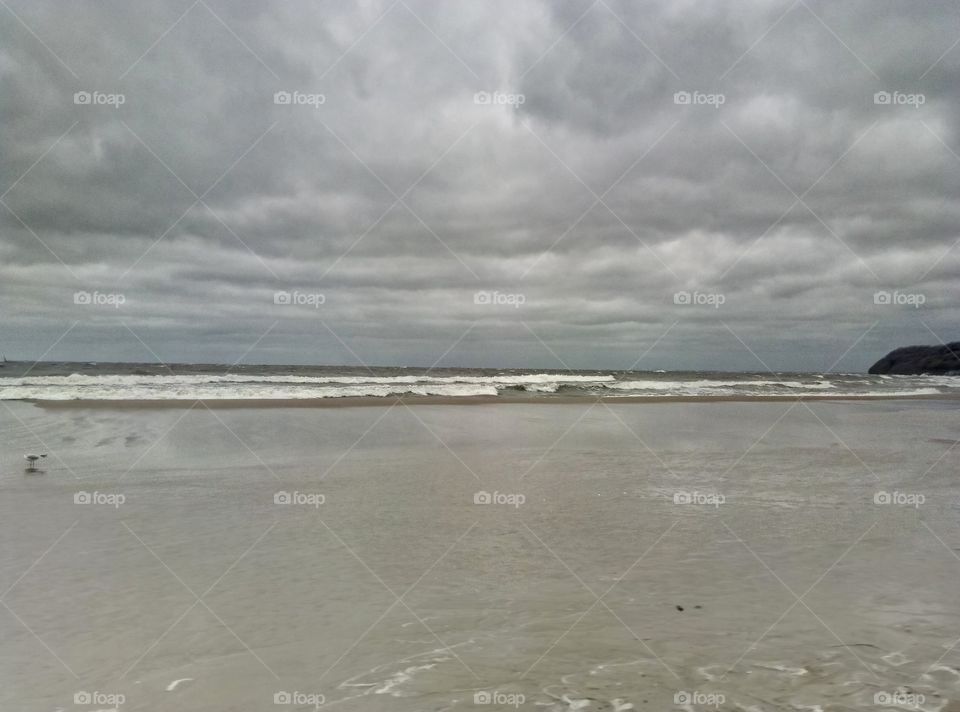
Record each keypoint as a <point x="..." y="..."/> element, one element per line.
<point x="782" y="189"/>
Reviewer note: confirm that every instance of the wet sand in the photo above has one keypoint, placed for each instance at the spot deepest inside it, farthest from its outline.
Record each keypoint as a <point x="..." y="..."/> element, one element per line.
<point x="759" y="556"/>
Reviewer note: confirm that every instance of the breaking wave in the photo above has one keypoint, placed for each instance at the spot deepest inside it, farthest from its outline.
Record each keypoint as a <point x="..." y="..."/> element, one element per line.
<point x="329" y="384"/>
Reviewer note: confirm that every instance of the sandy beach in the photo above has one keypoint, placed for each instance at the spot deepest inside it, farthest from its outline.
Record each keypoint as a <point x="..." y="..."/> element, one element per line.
<point x="556" y="556"/>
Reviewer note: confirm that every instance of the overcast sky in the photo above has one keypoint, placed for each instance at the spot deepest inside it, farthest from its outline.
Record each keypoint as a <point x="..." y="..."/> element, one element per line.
<point x="514" y="183"/>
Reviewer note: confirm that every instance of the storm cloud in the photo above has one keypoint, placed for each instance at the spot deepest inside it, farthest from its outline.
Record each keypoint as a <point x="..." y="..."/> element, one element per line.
<point x="609" y="184"/>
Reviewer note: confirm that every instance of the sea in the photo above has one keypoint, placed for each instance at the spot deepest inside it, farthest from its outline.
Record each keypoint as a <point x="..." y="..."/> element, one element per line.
<point x="59" y="381"/>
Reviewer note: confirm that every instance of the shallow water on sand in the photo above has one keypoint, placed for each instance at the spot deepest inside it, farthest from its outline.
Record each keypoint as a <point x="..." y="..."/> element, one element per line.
<point x="732" y="556"/>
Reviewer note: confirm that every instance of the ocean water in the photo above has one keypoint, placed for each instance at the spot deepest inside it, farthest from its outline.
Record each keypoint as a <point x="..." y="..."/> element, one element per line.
<point x="85" y="381"/>
<point x="567" y="557"/>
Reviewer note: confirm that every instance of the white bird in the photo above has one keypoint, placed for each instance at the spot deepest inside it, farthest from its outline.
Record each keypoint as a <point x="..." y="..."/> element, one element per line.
<point x="32" y="459"/>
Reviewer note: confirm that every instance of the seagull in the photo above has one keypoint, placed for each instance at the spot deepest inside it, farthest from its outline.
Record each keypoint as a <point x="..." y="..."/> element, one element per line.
<point x="32" y="460"/>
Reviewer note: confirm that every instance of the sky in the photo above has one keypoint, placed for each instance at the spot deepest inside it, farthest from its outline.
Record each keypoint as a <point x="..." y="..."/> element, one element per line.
<point x="659" y="184"/>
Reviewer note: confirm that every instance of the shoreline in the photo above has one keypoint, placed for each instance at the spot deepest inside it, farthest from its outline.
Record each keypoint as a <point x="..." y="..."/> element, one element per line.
<point x="513" y="399"/>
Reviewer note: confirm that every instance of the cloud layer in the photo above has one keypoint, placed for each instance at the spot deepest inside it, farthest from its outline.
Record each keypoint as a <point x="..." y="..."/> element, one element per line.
<point x="617" y="167"/>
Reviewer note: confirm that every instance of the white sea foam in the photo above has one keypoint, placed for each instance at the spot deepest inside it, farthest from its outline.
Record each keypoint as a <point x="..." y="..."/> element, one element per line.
<point x="249" y="386"/>
<point x="77" y="379"/>
<point x="274" y="387"/>
<point x="398" y="678"/>
<point x="656" y="385"/>
<point x="170" y="391"/>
